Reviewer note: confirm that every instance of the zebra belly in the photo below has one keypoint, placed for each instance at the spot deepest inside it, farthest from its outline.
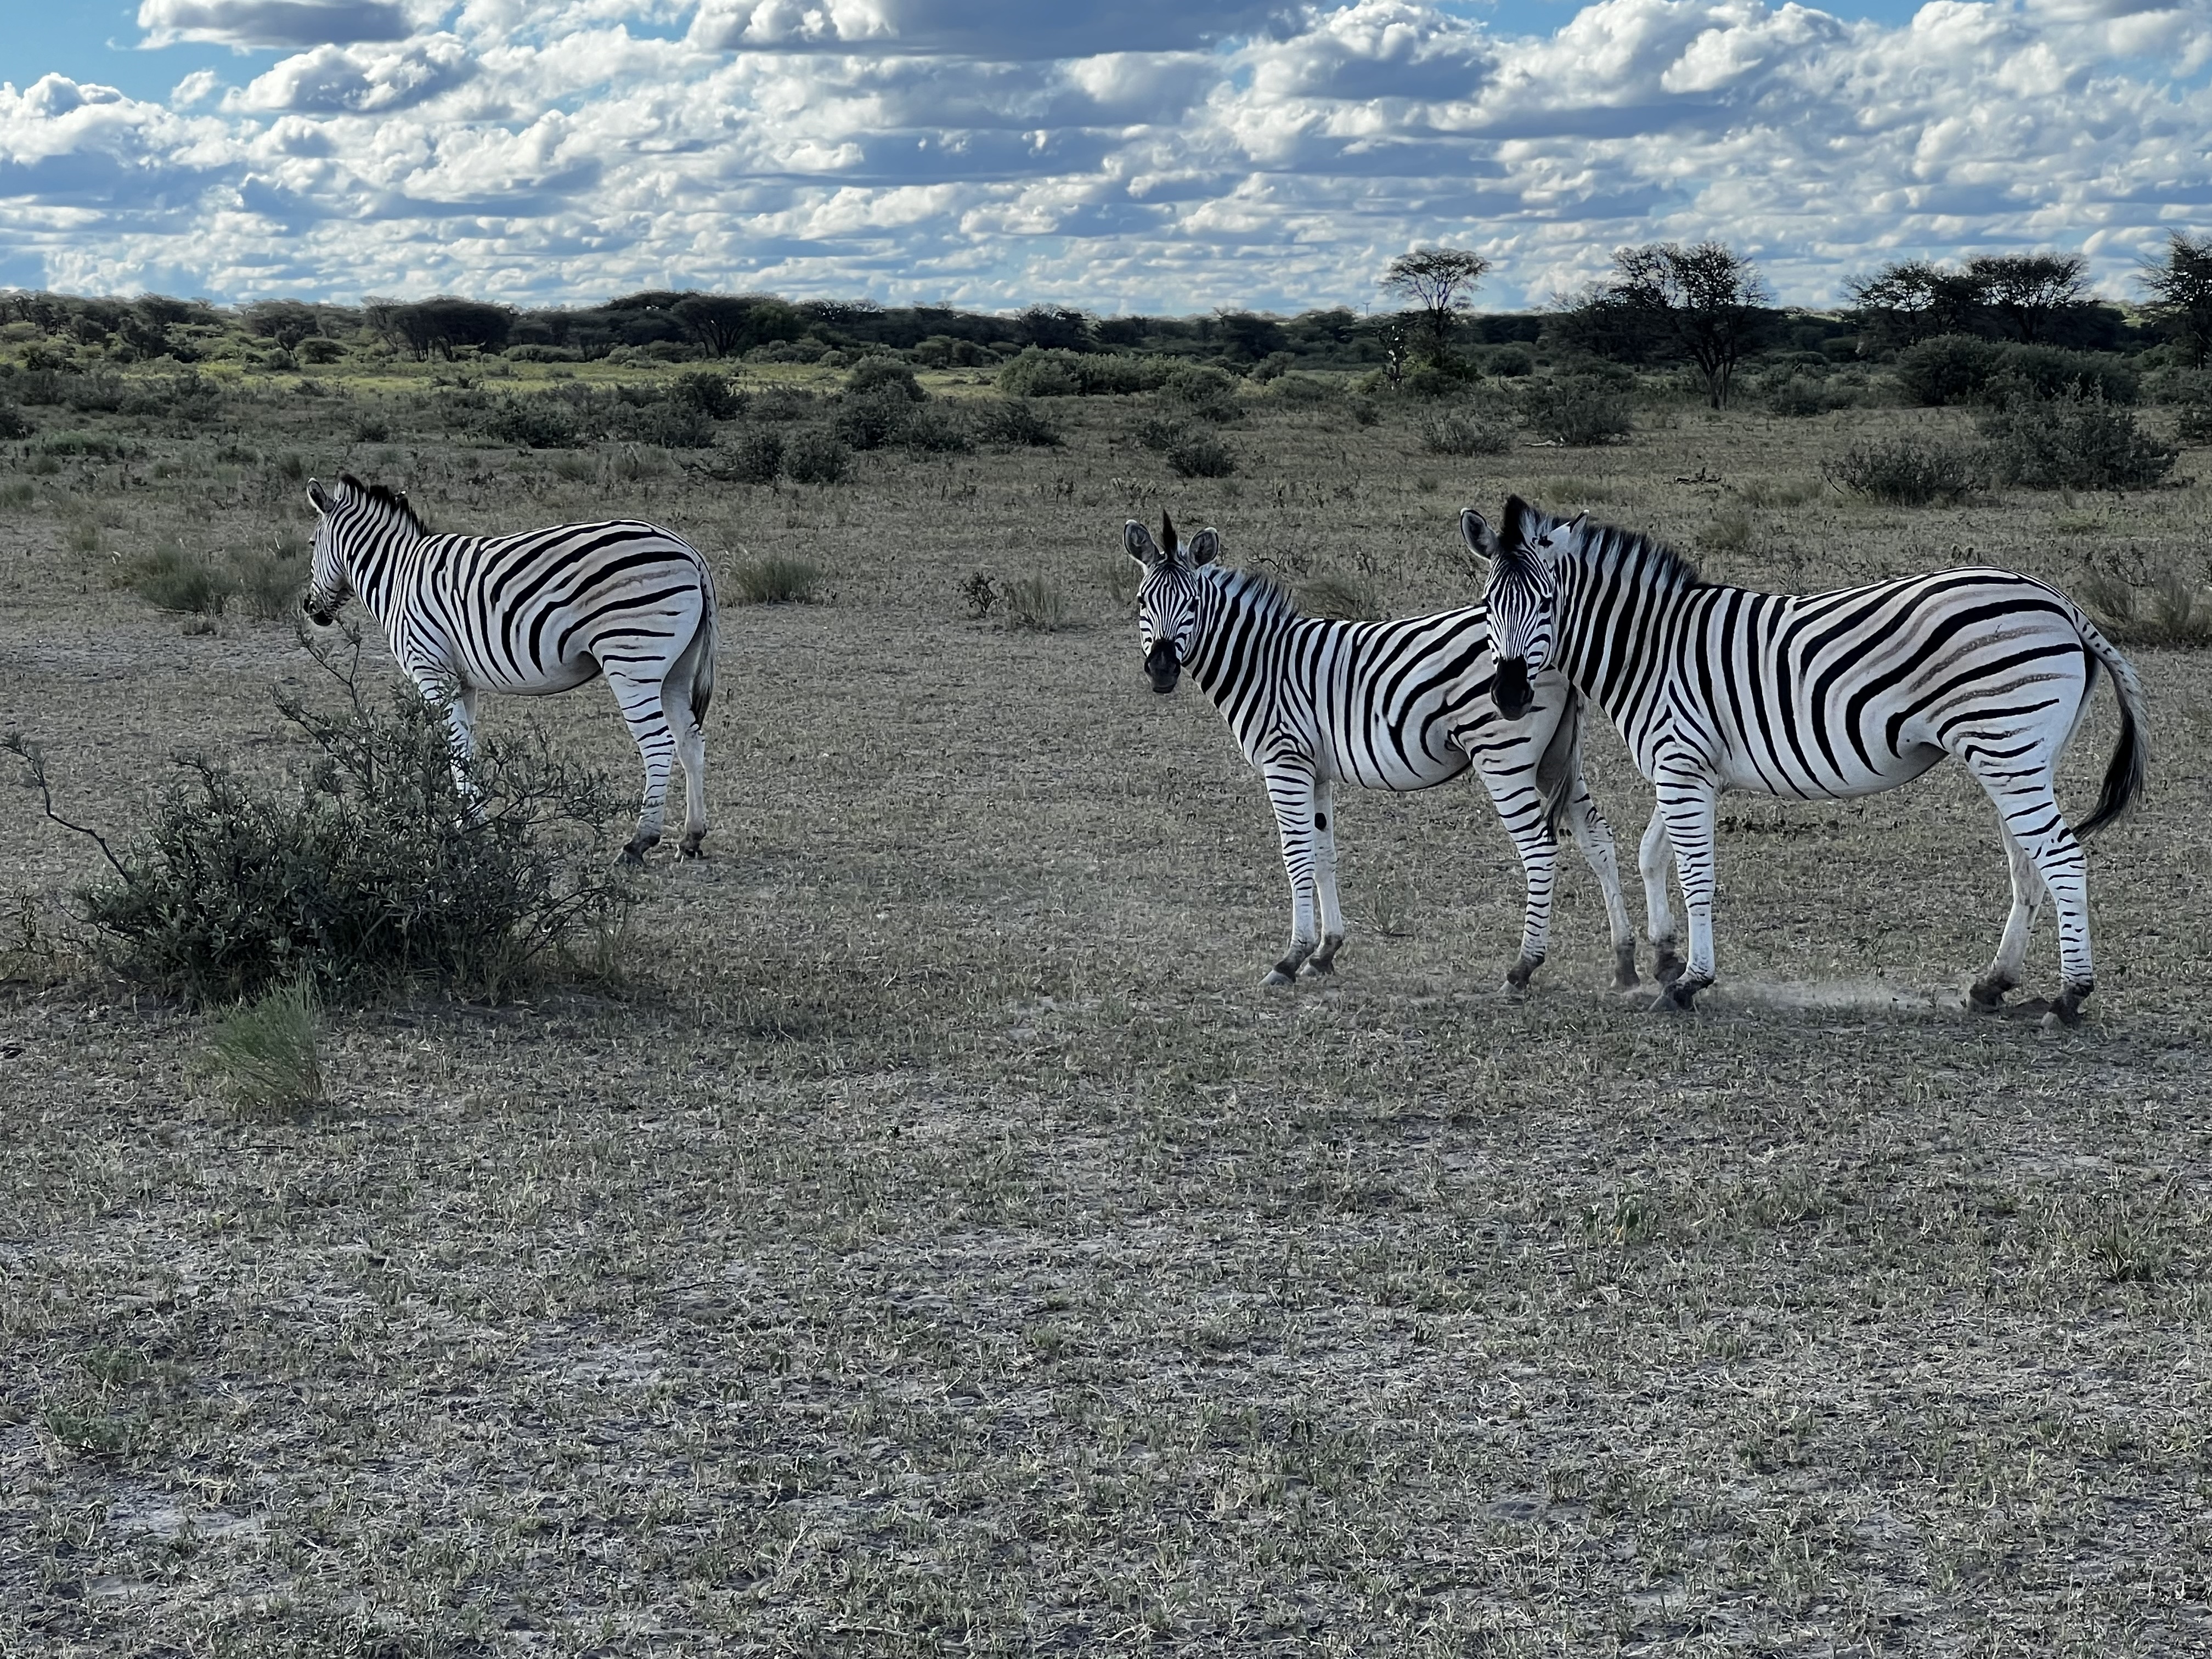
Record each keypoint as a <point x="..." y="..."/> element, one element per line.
<point x="1851" y="780"/>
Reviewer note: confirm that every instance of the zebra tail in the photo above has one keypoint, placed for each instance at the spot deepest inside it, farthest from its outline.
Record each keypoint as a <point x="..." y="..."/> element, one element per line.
<point x="1561" y="766"/>
<point x="701" y="650"/>
<point x="2123" y="778"/>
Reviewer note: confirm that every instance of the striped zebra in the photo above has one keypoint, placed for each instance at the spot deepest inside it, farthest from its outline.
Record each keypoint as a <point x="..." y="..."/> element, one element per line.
<point x="1385" y="705"/>
<point x="1822" y="698"/>
<point x="532" y="614"/>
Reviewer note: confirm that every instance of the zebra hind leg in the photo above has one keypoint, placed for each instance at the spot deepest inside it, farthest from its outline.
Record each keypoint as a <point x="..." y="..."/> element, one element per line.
<point x="691" y="752"/>
<point x="656" y="746"/>
<point x="1653" y="856"/>
<point x="1987" y="993"/>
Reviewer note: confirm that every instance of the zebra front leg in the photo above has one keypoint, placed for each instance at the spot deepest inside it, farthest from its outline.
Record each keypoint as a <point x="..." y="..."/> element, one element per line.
<point x="1686" y="807"/>
<point x="640" y="702"/>
<point x="1521" y="809"/>
<point x="1323" y="960"/>
<point x="1652" y="859"/>
<point x="1292" y="791"/>
<point x="1595" y="836"/>
<point x="2003" y="975"/>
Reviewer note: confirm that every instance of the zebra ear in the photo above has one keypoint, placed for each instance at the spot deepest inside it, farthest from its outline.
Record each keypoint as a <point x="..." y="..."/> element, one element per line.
<point x="1481" y="540"/>
<point x="1206" y="546"/>
<point x="318" y="497"/>
<point x="1140" y="545"/>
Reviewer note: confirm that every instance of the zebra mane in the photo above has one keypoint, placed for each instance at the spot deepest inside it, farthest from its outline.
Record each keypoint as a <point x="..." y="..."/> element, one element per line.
<point x="1257" y="589"/>
<point x="390" y="501"/>
<point x="1616" y="548"/>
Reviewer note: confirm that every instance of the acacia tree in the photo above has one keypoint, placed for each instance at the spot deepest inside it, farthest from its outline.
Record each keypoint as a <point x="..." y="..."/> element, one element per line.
<point x="1439" y="283"/>
<point x="2030" y="291"/>
<point x="2180" y="288"/>
<point x="1703" y="302"/>
<point x="1910" y="301"/>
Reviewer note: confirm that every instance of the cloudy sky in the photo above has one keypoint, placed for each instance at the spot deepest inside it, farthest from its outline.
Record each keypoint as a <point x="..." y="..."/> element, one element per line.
<point x="1140" y="155"/>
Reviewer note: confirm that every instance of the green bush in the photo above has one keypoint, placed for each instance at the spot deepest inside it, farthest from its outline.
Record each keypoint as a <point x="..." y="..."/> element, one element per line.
<point x="711" y="394"/>
<point x="1949" y="368"/>
<point x="776" y="579"/>
<point x="937" y="428"/>
<point x="873" y="418"/>
<point x="668" y="425"/>
<point x="782" y="404"/>
<point x="1958" y="368"/>
<point x="1200" y="394"/>
<point x="1037" y="371"/>
<point x="2076" y="442"/>
<point x="535" y="423"/>
<point x="375" y="865"/>
<point x="1040" y="373"/>
<point x="14" y="423"/>
<point x="1576" y="410"/>
<point x="757" y="455"/>
<point x="1908" y="471"/>
<point x="1201" y="455"/>
<point x="174" y="578"/>
<point x="317" y="349"/>
<point x="816" y="457"/>
<point x="871" y="373"/>
<point x="1467" y="431"/>
<point x="1016" y="424"/>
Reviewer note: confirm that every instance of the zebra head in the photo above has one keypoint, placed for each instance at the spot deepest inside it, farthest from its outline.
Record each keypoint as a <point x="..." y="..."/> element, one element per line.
<point x="1167" y="601"/>
<point x="331" y="584"/>
<point x="1522" y="594"/>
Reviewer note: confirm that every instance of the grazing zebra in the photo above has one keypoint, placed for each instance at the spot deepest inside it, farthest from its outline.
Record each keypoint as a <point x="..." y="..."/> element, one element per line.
<point x="1821" y="697"/>
<point x="1386" y="705"/>
<point x="532" y="614"/>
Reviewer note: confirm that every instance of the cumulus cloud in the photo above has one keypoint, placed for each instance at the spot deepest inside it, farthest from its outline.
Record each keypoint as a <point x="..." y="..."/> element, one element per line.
<point x="277" y="22"/>
<point x="359" y="80"/>
<point x="1143" y="156"/>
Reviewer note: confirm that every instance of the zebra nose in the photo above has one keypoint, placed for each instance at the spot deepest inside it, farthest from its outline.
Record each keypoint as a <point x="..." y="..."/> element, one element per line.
<point x="1510" y="688"/>
<point x="1162" y="666"/>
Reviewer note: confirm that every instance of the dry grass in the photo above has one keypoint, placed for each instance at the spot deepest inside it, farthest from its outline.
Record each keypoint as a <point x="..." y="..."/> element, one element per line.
<point x="940" y="1244"/>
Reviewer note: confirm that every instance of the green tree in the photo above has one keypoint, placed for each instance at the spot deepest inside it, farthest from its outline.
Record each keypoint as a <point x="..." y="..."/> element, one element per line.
<point x="2181" y="289"/>
<point x="1705" y="303"/>
<point x="1437" y="283"/>
<point x="2028" y="292"/>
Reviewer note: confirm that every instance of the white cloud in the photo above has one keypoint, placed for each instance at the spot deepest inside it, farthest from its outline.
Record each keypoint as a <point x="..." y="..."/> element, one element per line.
<point x="1145" y="157"/>
<point x="279" y="22"/>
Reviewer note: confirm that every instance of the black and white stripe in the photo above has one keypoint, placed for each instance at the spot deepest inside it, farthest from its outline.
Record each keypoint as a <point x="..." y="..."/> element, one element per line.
<point x="532" y="614"/>
<point x="1386" y="705"/>
<point x="1819" y="697"/>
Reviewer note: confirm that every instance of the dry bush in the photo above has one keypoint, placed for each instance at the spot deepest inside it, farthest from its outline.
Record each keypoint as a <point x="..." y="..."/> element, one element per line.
<point x="1035" y="602"/>
<point x="1908" y="471"/>
<point x="2160" y="606"/>
<point x="774" y="578"/>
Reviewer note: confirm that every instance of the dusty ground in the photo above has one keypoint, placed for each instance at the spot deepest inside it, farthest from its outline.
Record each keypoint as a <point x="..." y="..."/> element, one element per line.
<point x="937" y="1241"/>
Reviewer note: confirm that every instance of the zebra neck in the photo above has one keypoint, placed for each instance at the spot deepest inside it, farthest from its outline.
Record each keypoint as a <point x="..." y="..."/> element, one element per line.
<point x="375" y="568"/>
<point x="1241" y="614"/>
<point x="1613" y="623"/>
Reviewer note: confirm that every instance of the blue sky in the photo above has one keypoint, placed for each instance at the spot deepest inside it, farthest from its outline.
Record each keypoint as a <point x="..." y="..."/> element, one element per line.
<point x="1141" y="154"/>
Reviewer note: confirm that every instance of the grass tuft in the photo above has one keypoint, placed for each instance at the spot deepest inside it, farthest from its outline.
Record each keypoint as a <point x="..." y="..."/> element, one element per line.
<point x="776" y="579"/>
<point x="268" y="1054"/>
<point x="1035" y="602"/>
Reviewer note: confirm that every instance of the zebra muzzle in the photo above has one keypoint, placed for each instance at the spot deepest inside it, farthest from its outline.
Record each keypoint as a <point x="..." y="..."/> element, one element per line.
<point x="1510" y="688"/>
<point x="1163" y="666"/>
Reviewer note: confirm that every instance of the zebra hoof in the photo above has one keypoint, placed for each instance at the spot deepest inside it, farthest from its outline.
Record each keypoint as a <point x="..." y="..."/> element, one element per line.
<point x="1666" y="966"/>
<point x="1518" y="975"/>
<point x="1987" y="995"/>
<point x="2066" y="1008"/>
<point x="1321" y="966"/>
<point x="1276" y="978"/>
<point x="1623" y="970"/>
<point x="1675" y="997"/>
<point x="690" y="847"/>
<point x="633" y="856"/>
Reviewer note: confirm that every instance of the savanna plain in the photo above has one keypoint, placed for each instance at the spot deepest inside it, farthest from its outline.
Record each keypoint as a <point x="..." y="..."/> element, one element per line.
<point x="918" y="1232"/>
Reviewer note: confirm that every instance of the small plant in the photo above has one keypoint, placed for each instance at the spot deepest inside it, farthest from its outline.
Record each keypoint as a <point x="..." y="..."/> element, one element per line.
<point x="1575" y="411"/>
<point x="875" y="416"/>
<point x="268" y="580"/>
<point x="815" y="457"/>
<point x="1201" y="455"/>
<point x="757" y="455"/>
<point x="1728" y="532"/>
<point x="979" y="596"/>
<point x="1016" y="424"/>
<point x="531" y="422"/>
<point x="1466" y="431"/>
<point x="711" y="394"/>
<point x="174" y="578"/>
<point x="1035" y="603"/>
<point x="932" y="428"/>
<point x="1908" y="471"/>
<point x="2146" y="606"/>
<point x="268" y="1054"/>
<point x="2079" y="441"/>
<point x="776" y="579"/>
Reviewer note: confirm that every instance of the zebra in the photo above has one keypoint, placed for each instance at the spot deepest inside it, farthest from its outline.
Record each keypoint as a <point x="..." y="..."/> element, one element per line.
<point x="532" y="614"/>
<point x="1821" y="697"/>
<point x="1385" y="705"/>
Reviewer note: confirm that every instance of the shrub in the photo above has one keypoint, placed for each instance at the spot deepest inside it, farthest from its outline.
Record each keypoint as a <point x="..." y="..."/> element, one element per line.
<point x="1801" y="396"/>
<point x="1466" y="431"/>
<point x="317" y="349"/>
<point x="871" y="373"/>
<point x="1305" y="389"/>
<point x="710" y="393"/>
<point x="1200" y="394"/>
<point x="268" y="579"/>
<point x="1035" y="602"/>
<point x="535" y="423"/>
<point x="1015" y="423"/>
<point x="756" y="456"/>
<point x="268" y="1052"/>
<point x="777" y="579"/>
<point x="1576" y="410"/>
<point x="2159" y="606"/>
<point x="2193" y="424"/>
<point x="978" y="595"/>
<point x="1040" y="373"/>
<point x="1201" y="455"/>
<point x="1949" y="368"/>
<point x="1509" y="362"/>
<point x="667" y="425"/>
<point x="14" y="423"/>
<point x="2078" y="442"/>
<point x="1908" y="471"/>
<point x="817" y="457"/>
<point x="938" y="429"/>
<point x="1958" y="368"/>
<point x="874" y="418"/>
<point x="783" y="403"/>
<point x="171" y="578"/>
<point x="376" y="865"/>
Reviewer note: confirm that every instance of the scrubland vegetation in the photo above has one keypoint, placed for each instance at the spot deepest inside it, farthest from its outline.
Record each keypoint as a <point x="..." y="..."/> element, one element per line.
<point x="909" y="1230"/>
